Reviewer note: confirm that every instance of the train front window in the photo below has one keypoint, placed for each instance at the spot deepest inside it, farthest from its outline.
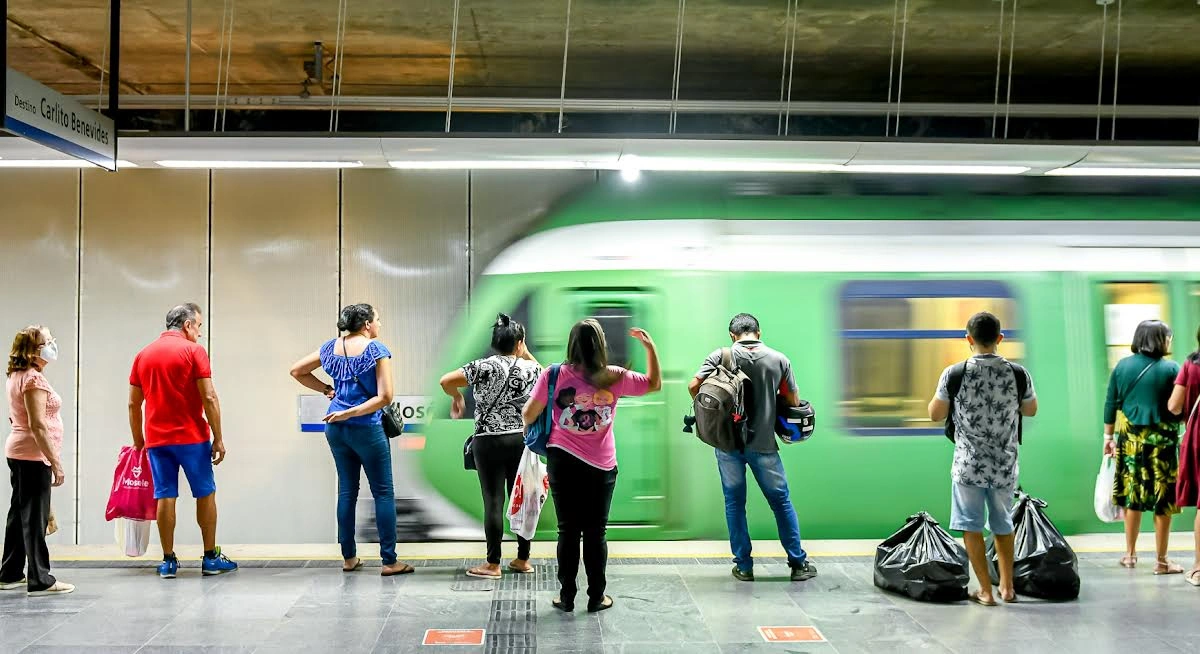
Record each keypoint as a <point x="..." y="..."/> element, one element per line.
<point x="897" y="337"/>
<point x="1125" y="305"/>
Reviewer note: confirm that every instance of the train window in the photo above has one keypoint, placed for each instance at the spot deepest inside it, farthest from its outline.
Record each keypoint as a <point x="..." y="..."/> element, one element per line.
<point x="615" y="321"/>
<point x="898" y="337"/>
<point x="1125" y="305"/>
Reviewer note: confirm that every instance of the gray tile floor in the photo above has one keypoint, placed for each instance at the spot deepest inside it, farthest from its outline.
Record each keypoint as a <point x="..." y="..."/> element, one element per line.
<point x="662" y="607"/>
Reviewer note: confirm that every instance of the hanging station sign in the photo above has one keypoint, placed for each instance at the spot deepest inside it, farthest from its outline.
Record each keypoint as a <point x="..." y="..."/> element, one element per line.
<point x="44" y="116"/>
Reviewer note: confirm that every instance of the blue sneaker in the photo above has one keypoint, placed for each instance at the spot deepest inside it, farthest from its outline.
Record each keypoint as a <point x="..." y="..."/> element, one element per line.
<point x="168" y="568"/>
<point x="217" y="565"/>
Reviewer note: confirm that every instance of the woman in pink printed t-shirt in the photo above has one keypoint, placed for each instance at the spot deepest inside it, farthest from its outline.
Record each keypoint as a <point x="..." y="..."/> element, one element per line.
<point x="582" y="454"/>
<point x="34" y="453"/>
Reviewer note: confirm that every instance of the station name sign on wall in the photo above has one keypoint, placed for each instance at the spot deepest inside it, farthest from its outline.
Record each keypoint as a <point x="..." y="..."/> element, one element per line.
<point x="45" y="116"/>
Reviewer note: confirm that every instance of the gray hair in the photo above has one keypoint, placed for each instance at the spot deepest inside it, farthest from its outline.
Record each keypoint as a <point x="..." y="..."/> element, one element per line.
<point x="181" y="314"/>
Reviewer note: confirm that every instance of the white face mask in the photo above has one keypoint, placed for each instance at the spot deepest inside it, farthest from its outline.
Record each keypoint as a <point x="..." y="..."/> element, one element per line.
<point x="49" y="351"/>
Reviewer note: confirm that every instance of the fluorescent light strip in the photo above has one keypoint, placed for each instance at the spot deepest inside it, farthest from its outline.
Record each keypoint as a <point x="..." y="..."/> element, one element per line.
<point x="174" y="163"/>
<point x="498" y="164"/>
<point x="934" y="169"/>
<point x="688" y="164"/>
<point x="57" y="163"/>
<point x="1088" y="171"/>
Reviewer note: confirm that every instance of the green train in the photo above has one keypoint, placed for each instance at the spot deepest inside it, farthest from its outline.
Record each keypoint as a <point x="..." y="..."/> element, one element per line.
<point x="868" y="294"/>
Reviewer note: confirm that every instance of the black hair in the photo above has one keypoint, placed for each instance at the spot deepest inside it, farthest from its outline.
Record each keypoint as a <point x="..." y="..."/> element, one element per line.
<point x="984" y="329"/>
<point x="355" y="317"/>
<point x="181" y="314"/>
<point x="1194" y="357"/>
<point x="506" y="333"/>
<point x="1151" y="338"/>
<point x="743" y="324"/>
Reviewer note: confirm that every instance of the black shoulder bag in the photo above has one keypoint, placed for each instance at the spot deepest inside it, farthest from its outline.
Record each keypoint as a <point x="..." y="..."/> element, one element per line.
<point x="468" y="453"/>
<point x="392" y="418"/>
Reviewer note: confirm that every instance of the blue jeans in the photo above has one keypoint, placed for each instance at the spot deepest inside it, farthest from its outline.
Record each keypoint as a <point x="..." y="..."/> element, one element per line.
<point x="363" y="448"/>
<point x="772" y="480"/>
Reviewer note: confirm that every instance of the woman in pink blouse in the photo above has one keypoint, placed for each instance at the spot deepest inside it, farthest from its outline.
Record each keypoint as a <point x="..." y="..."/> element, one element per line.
<point x="582" y="453"/>
<point x="34" y="451"/>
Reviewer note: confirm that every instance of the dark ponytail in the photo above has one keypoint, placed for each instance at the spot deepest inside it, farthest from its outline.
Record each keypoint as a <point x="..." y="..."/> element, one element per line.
<point x="506" y="333"/>
<point x="1194" y="357"/>
<point x="355" y="317"/>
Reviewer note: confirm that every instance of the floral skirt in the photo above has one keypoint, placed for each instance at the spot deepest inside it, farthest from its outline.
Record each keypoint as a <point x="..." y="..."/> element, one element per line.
<point x="1147" y="468"/>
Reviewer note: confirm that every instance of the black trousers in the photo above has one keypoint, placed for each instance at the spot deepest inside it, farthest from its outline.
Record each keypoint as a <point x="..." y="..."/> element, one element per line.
<point x="582" y="498"/>
<point x="25" y="535"/>
<point x="497" y="458"/>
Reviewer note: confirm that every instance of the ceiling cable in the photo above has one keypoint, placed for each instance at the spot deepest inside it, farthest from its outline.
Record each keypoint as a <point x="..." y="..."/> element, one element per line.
<point x="228" y="64"/>
<point x="999" y="52"/>
<point x="562" y="90"/>
<point x="900" y="75"/>
<point x="787" y="114"/>
<point x="678" y="60"/>
<point x="1116" y="72"/>
<point x="1100" y="85"/>
<point x="104" y="55"/>
<point x="887" y="119"/>
<point x="1012" y="51"/>
<point x="453" y="52"/>
<point x="339" y="60"/>
<point x="787" y="21"/>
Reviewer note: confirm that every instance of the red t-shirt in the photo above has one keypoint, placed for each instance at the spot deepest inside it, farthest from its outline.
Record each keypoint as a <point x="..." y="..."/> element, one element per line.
<point x="1189" y="378"/>
<point x="167" y="371"/>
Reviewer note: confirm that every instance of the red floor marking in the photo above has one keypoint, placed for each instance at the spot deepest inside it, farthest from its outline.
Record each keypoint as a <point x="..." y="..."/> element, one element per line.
<point x="791" y="634"/>
<point x="453" y="637"/>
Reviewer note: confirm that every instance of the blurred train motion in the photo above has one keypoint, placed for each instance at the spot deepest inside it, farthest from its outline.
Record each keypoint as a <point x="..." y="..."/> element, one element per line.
<point x="868" y="294"/>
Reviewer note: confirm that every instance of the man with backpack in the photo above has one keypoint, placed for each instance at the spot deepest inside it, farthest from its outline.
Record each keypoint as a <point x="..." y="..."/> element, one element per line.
<point x="982" y="401"/>
<point x="735" y="394"/>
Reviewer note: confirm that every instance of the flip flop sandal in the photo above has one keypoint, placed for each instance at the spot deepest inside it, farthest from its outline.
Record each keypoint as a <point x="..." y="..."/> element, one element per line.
<point x="1167" y="568"/>
<point x="1129" y="562"/>
<point x="479" y="574"/>
<point x="604" y="605"/>
<point x="1013" y="600"/>
<point x="357" y="566"/>
<point x="562" y="606"/>
<point x="521" y="571"/>
<point x="1193" y="577"/>
<point x="407" y="569"/>
<point x="974" y="597"/>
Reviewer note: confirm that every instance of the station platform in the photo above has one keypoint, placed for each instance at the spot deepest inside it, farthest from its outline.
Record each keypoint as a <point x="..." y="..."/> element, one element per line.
<point x="670" y="597"/>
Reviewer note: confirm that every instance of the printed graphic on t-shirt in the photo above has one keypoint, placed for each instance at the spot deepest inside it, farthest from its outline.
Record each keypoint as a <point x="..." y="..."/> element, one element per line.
<point x="585" y="412"/>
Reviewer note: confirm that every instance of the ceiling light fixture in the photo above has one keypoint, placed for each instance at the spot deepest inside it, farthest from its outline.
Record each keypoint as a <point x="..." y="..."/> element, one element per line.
<point x="57" y="163"/>
<point x="174" y="163"/>
<point x="698" y="164"/>
<point x="935" y="169"/>
<point x="1090" y="171"/>
<point x="495" y="164"/>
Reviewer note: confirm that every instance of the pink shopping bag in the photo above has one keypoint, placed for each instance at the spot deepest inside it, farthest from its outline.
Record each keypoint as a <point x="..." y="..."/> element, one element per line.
<point x="132" y="495"/>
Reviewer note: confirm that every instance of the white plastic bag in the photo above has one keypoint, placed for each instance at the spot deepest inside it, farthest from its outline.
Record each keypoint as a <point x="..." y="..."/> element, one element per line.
<point x="133" y="536"/>
<point x="1106" y="509"/>
<point x="528" y="495"/>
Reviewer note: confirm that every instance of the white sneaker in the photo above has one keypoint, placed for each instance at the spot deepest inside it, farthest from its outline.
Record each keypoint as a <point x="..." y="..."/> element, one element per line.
<point x="14" y="585"/>
<point x="59" y="588"/>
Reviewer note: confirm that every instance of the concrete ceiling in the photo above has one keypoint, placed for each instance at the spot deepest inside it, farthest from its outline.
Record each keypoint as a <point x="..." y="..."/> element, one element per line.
<point x="732" y="49"/>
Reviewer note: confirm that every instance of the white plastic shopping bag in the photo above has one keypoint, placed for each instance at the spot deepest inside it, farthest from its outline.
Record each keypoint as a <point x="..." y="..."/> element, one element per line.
<point x="133" y="536"/>
<point x="1106" y="509"/>
<point x="529" y="492"/>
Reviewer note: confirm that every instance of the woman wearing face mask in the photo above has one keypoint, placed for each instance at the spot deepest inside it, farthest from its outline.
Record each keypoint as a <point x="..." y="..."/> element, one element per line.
<point x="34" y="451"/>
<point x="361" y="368"/>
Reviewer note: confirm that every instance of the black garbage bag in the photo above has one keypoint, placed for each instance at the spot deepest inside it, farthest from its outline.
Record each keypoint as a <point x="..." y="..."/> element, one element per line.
<point x="923" y="561"/>
<point x="1044" y="565"/>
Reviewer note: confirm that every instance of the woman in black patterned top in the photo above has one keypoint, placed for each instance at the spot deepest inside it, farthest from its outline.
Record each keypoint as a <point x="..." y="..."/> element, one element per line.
<point x="501" y="384"/>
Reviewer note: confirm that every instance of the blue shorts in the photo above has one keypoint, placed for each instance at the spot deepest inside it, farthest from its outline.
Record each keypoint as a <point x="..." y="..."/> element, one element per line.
<point x="968" y="504"/>
<point x="196" y="461"/>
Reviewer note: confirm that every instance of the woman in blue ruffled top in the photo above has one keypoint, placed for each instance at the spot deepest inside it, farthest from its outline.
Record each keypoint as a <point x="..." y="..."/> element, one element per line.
<point x="361" y="369"/>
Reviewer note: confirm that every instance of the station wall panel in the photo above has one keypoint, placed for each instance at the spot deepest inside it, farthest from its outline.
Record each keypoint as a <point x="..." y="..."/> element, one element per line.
<point x="144" y="250"/>
<point x="274" y="299"/>
<point x="39" y="237"/>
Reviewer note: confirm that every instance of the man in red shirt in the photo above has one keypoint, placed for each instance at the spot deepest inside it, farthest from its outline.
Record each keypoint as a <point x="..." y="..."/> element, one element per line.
<point x="173" y="378"/>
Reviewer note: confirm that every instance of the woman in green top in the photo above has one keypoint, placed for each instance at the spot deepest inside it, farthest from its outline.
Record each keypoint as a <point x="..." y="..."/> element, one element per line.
<point x="1144" y="437"/>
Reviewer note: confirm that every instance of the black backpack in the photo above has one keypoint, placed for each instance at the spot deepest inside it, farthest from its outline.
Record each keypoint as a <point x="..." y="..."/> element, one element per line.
<point x="954" y="385"/>
<point x="720" y="406"/>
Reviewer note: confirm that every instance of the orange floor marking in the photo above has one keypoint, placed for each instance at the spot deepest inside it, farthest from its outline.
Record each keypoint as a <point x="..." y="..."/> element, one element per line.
<point x="453" y="637"/>
<point x="791" y="634"/>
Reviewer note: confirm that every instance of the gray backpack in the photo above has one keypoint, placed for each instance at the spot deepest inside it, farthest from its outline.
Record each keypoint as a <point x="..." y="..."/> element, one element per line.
<point x="720" y="406"/>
